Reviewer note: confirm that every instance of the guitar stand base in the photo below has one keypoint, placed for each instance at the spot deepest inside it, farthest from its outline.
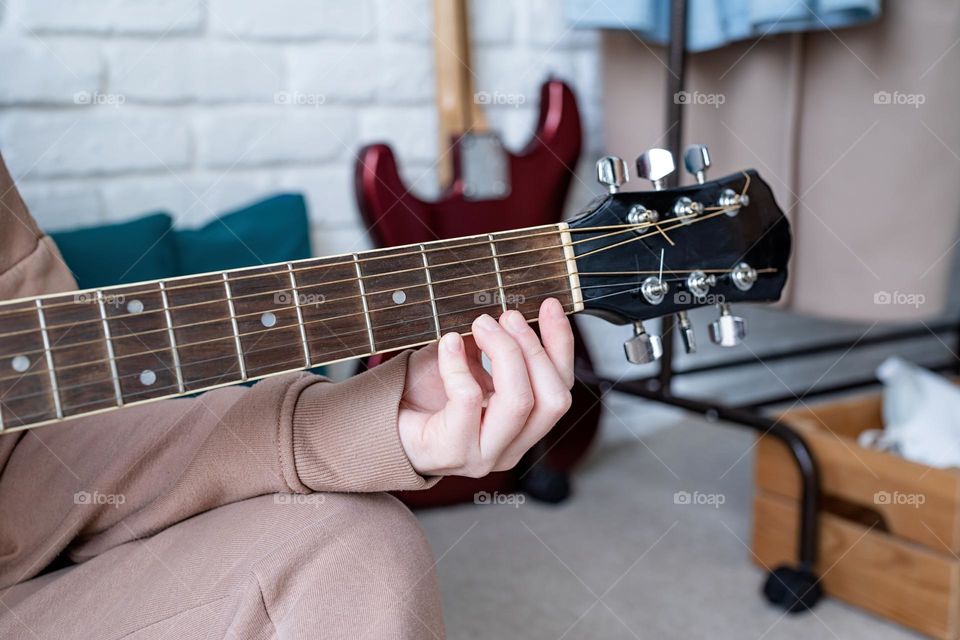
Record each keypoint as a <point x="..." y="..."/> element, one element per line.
<point x="543" y="483"/>
<point x="795" y="590"/>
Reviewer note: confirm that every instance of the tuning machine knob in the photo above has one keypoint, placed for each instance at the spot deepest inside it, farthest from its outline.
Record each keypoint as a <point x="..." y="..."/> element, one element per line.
<point x="743" y="276"/>
<point x="728" y="330"/>
<point x="642" y="348"/>
<point x="697" y="160"/>
<point x="732" y="202"/>
<point x="655" y="165"/>
<point x="612" y="172"/>
<point x="699" y="283"/>
<point x="654" y="289"/>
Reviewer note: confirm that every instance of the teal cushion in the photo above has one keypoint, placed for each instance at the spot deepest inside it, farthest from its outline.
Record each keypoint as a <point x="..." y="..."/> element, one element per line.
<point x="274" y="230"/>
<point x="141" y="249"/>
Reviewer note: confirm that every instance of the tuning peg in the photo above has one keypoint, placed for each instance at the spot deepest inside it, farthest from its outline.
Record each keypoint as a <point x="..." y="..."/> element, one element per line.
<point x="642" y="347"/>
<point x="655" y="165"/>
<point x="686" y="332"/>
<point x="612" y="172"/>
<point x="728" y="330"/>
<point x="697" y="160"/>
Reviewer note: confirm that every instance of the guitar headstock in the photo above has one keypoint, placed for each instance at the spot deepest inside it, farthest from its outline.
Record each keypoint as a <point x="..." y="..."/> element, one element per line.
<point x="642" y="255"/>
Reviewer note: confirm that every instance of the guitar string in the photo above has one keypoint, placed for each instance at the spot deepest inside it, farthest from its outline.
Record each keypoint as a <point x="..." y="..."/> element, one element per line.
<point x="281" y="270"/>
<point x="629" y="286"/>
<point x="555" y="229"/>
<point x="219" y="284"/>
<point x="520" y="284"/>
<point x="252" y="333"/>
<point x="330" y="356"/>
<point x="284" y="275"/>
<point x="295" y="325"/>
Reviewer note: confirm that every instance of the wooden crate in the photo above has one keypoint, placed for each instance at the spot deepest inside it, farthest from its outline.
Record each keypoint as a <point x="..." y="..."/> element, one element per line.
<point x="889" y="528"/>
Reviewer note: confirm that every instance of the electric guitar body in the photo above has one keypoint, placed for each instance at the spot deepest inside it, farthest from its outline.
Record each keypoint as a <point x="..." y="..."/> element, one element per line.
<point x="488" y="189"/>
<point x="539" y="180"/>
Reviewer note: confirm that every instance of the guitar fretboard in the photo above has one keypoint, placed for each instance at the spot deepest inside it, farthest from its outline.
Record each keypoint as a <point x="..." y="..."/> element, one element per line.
<point x="74" y="354"/>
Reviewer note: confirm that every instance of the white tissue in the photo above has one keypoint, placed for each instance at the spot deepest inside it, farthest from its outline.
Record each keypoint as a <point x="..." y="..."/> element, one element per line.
<point x="921" y="415"/>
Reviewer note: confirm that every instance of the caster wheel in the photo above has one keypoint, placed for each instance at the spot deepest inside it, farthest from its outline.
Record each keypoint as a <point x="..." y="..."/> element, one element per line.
<point x="545" y="484"/>
<point x="793" y="590"/>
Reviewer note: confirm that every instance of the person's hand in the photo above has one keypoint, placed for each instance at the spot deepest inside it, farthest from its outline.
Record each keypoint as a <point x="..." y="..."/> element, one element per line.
<point x="457" y="419"/>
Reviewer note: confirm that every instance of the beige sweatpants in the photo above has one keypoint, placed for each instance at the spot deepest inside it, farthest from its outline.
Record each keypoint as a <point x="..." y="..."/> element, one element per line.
<point x="351" y="566"/>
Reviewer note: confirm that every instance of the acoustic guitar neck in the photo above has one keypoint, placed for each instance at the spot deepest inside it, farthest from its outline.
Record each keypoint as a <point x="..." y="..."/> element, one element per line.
<point x="74" y="354"/>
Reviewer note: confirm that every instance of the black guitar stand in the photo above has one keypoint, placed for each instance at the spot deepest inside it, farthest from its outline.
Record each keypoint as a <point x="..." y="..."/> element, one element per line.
<point x="794" y="588"/>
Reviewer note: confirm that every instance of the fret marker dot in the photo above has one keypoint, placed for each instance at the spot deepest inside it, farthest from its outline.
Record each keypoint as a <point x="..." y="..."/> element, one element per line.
<point x="134" y="306"/>
<point x="147" y="377"/>
<point x="399" y="297"/>
<point x="268" y="319"/>
<point x="20" y="363"/>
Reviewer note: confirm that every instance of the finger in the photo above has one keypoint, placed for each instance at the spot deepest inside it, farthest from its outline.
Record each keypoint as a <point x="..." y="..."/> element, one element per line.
<point x="475" y="357"/>
<point x="512" y="399"/>
<point x="464" y="406"/>
<point x="551" y="395"/>
<point x="424" y="388"/>
<point x="557" y="336"/>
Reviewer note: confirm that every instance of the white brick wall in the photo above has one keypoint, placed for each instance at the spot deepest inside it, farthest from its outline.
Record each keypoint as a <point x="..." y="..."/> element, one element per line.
<point x="113" y="108"/>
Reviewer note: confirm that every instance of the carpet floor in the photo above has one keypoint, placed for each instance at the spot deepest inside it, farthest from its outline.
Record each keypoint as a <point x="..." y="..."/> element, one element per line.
<point x="621" y="558"/>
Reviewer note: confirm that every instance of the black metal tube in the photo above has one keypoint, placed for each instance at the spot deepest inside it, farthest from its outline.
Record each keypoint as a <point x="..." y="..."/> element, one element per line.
<point x="814" y="392"/>
<point x="676" y="79"/>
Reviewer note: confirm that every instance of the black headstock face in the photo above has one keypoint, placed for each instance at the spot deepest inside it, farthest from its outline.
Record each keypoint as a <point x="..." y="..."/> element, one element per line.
<point x="739" y="243"/>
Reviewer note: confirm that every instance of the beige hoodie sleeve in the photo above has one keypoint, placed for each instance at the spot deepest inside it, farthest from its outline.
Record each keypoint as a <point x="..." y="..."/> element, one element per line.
<point x="88" y="484"/>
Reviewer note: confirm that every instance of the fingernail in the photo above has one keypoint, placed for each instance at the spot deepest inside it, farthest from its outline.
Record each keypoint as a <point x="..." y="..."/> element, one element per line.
<point x="452" y="342"/>
<point x="486" y="323"/>
<point x="553" y="306"/>
<point x="515" y="320"/>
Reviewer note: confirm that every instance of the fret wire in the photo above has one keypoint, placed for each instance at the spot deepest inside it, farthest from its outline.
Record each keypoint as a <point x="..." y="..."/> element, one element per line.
<point x="54" y="389"/>
<point x="448" y="280"/>
<point x="111" y="356"/>
<point x="236" y="327"/>
<point x="622" y="228"/>
<point x="519" y="284"/>
<point x="554" y="230"/>
<point x="538" y="231"/>
<point x="632" y="285"/>
<point x="496" y="267"/>
<point x="433" y="299"/>
<point x="513" y="253"/>
<point x="591" y="252"/>
<point x="418" y="343"/>
<point x="405" y="321"/>
<point x="295" y="292"/>
<point x="171" y="336"/>
<point x="445" y="281"/>
<point x="363" y="300"/>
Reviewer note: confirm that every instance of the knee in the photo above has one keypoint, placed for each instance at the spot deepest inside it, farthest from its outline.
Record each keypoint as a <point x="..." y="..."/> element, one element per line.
<point x="385" y="539"/>
<point x="365" y="554"/>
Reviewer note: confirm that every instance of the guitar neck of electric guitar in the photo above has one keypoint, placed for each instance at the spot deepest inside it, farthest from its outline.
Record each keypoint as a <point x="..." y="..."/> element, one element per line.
<point x="458" y="110"/>
<point x="68" y="355"/>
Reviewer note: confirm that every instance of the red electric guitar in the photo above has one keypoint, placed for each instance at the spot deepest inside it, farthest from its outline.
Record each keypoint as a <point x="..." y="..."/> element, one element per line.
<point x="488" y="189"/>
